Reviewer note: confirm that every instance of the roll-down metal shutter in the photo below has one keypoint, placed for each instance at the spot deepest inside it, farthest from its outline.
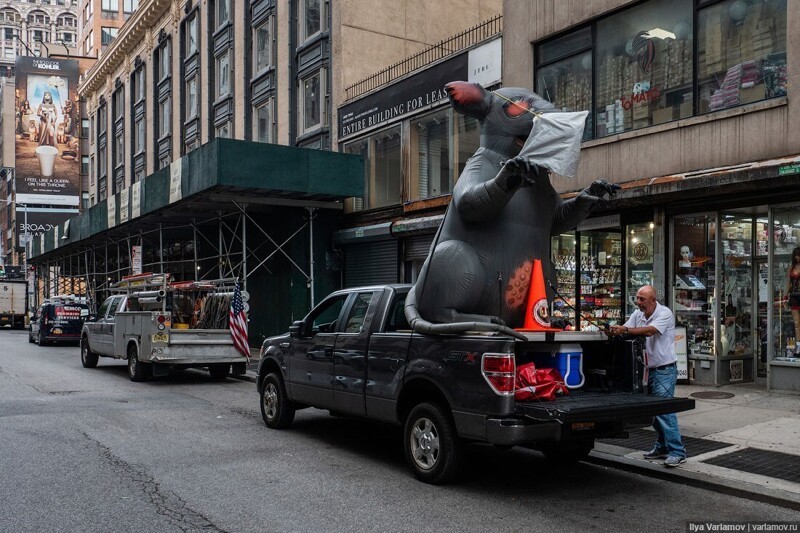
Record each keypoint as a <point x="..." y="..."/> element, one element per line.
<point x="416" y="248"/>
<point x="371" y="263"/>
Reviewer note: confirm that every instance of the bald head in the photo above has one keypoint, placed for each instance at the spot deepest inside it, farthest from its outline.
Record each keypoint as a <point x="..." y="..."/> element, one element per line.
<point x="646" y="299"/>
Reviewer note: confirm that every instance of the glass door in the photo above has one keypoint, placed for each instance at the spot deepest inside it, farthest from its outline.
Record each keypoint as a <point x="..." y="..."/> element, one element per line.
<point x="785" y="285"/>
<point x="639" y="264"/>
<point x="736" y="288"/>
<point x="761" y="294"/>
<point x="693" y="239"/>
<point x="563" y="254"/>
<point x="600" y="281"/>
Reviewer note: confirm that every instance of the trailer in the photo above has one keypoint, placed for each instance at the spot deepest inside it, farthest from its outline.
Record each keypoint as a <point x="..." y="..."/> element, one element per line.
<point x="155" y="325"/>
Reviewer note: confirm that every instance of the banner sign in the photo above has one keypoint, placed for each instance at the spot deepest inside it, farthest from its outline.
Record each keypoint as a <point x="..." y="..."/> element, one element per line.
<point x="136" y="259"/>
<point x="681" y="352"/>
<point x="406" y="96"/>
<point x="40" y="220"/>
<point x="46" y="131"/>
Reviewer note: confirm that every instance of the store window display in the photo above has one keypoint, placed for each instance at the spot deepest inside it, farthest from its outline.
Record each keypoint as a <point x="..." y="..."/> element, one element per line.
<point x="793" y="292"/>
<point x="742" y="59"/>
<point x="785" y="318"/>
<point x="639" y="264"/>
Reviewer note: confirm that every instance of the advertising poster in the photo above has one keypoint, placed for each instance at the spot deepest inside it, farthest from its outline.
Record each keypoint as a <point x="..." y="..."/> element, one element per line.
<point x="40" y="220"/>
<point x="681" y="353"/>
<point x="47" y="124"/>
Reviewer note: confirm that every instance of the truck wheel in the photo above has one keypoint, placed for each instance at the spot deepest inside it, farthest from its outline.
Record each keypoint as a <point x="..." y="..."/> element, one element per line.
<point x="276" y="409"/>
<point x="41" y="341"/>
<point x="137" y="370"/>
<point x="88" y="357"/>
<point x="432" y="446"/>
<point x="569" y="453"/>
<point x="219" y="372"/>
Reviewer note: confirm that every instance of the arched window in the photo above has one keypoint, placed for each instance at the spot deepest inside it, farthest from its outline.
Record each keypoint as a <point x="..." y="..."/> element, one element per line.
<point x="9" y="15"/>
<point x="39" y="18"/>
<point x="67" y="20"/>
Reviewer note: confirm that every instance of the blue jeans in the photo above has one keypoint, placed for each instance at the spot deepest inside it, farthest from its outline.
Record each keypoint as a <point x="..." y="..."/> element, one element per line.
<point x="662" y="383"/>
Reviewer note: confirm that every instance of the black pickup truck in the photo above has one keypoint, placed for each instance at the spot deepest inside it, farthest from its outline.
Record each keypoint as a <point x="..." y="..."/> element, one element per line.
<point x="355" y="355"/>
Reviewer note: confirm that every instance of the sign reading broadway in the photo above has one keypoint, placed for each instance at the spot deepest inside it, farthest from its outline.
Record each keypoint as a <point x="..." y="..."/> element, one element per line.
<point x="46" y="131"/>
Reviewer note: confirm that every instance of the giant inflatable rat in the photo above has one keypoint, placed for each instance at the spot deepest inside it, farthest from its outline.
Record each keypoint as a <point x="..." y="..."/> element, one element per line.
<point x="501" y="216"/>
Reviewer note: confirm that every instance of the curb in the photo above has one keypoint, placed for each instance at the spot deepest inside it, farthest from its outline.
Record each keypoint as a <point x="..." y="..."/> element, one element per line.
<point x="695" y="479"/>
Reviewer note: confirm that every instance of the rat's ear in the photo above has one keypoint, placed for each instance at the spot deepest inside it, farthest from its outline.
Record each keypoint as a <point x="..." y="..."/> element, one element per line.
<point x="469" y="99"/>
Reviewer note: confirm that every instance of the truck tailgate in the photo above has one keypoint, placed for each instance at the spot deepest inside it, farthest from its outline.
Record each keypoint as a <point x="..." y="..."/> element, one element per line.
<point x="602" y="407"/>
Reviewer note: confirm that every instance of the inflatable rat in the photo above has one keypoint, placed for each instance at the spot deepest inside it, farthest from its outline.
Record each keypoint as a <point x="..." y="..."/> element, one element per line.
<point x="501" y="216"/>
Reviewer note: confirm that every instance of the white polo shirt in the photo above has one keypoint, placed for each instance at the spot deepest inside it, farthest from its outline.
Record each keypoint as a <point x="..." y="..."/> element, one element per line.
<point x="661" y="346"/>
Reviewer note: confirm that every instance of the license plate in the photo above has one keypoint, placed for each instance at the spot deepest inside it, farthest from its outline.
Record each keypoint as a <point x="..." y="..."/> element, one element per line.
<point x="582" y="426"/>
<point x="57" y="331"/>
<point x="160" y="337"/>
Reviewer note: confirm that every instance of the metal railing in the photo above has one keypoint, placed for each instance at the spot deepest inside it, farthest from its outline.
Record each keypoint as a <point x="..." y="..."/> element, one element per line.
<point x="440" y="50"/>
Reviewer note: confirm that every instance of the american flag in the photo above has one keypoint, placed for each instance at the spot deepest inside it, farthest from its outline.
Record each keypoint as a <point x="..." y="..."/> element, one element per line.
<point x="238" y="323"/>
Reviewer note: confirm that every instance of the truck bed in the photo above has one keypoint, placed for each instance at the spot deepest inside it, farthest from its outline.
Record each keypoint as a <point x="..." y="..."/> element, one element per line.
<point x="602" y="406"/>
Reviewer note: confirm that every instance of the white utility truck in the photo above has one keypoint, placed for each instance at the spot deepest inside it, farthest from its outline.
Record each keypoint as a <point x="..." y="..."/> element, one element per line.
<point x="13" y="302"/>
<point x="155" y="325"/>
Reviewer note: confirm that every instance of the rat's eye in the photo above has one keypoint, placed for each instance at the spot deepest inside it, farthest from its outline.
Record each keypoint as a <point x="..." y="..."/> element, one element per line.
<point x="517" y="107"/>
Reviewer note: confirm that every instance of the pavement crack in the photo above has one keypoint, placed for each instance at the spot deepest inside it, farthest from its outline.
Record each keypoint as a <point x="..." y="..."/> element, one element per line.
<point x="166" y="502"/>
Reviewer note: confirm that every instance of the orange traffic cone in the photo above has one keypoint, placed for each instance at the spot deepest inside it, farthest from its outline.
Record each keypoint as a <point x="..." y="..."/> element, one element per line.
<point x="537" y="316"/>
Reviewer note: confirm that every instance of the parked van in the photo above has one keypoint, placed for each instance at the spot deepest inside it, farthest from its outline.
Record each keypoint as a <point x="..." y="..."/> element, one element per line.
<point x="58" y="320"/>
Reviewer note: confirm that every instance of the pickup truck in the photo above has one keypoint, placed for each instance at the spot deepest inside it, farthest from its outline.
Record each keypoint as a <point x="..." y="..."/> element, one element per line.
<point x="354" y="355"/>
<point x="142" y="328"/>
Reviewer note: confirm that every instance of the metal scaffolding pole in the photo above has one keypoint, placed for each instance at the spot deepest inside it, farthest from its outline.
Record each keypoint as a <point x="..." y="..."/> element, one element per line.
<point x="219" y="249"/>
<point x="160" y="249"/>
<point x="311" y="253"/>
<point x="194" y="247"/>
<point x="244" y="247"/>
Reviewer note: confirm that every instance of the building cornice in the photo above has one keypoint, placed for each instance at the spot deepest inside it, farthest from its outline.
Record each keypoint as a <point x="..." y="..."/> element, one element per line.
<point x="120" y="49"/>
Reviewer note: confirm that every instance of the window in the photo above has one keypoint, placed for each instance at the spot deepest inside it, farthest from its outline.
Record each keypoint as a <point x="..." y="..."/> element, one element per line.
<point x="164" y="56"/>
<point x="109" y="8"/>
<point x="358" y="313"/>
<point x="223" y="131"/>
<point x="324" y="318"/>
<point x="162" y="95"/>
<point x="85" y="128"/>
<point x="107" y="35"/>
<point x="223" y="12"/>
<point x="311" y="102"/>
<point x="138" y="135"/>
<point x="118" y="145"/>
<point x="191" y="98"/>
<point x="744" y="53"/>
<point x="191" y="35"/>
<point x="164" y="117"/>
<point x="643" y="62"/>
<point x="223" y="74"/>
<point x="262" y="123"/>
<point x="441" y="144"/>
<point x="262" y="42"/>
<point x="310" y="18"/>
<point x="129" y="6"/>
<point x="138" y="85"/>
<point x="139" y="113"/>
<point x="383" y="168"/>
<point x="85" y="164"/>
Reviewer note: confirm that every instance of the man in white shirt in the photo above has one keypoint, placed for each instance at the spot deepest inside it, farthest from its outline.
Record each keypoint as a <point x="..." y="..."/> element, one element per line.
<point x="657" y="323"/>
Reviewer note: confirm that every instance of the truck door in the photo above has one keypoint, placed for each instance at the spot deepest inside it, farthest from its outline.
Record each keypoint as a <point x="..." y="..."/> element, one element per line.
<point x="106" y="328"/>
<point x="350" y="354"/>
<point x="309" y="368"/>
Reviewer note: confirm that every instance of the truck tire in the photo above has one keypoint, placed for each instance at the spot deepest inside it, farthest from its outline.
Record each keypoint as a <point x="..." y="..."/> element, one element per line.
<point x="276" y="409"/>
<point x="137" y="370"/>
<point x="569" y="453"/>
<point x="88" y="357"/>
<point x="40" y="341"/>
<point x="433" y="448"/>
<point x="219" y="372"/>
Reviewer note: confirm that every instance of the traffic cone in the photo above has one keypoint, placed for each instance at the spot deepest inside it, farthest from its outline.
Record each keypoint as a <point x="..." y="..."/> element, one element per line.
<point x="537" y="315"/>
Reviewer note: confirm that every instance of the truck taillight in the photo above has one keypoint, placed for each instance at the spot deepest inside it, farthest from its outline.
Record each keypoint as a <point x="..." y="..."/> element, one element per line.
<point x="499" y="371"/>
<point x="161" y="319"/>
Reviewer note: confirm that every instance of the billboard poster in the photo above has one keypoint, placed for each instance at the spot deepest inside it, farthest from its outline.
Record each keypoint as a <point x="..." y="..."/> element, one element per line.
<point x="40" y="220"/>
<point x="47" y="125"/>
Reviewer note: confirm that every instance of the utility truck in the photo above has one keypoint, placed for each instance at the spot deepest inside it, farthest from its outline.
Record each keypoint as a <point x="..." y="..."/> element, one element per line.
<point x="13" y="302"/>
<point x="155" y="324"/>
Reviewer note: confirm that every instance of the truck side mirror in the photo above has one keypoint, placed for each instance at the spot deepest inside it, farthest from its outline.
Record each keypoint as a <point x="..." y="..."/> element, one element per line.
<point x="297" y="328"/>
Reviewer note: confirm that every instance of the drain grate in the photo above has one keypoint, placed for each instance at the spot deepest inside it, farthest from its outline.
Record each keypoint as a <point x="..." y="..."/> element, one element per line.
<point x="711" y="395"/>
<point x="643" y="439"/>
<point x="763" y="462"/>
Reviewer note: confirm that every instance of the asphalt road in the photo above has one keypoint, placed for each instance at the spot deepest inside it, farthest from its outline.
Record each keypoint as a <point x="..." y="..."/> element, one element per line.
<point x="88" y="450"/>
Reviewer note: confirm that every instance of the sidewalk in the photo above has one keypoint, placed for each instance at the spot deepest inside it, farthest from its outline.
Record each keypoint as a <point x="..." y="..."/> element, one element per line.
<point x="740" y="440"/>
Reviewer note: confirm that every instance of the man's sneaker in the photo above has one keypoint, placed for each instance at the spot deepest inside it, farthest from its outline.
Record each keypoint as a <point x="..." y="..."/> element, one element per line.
<point x="673" y="460"/>
<point x="655" y="453"/>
